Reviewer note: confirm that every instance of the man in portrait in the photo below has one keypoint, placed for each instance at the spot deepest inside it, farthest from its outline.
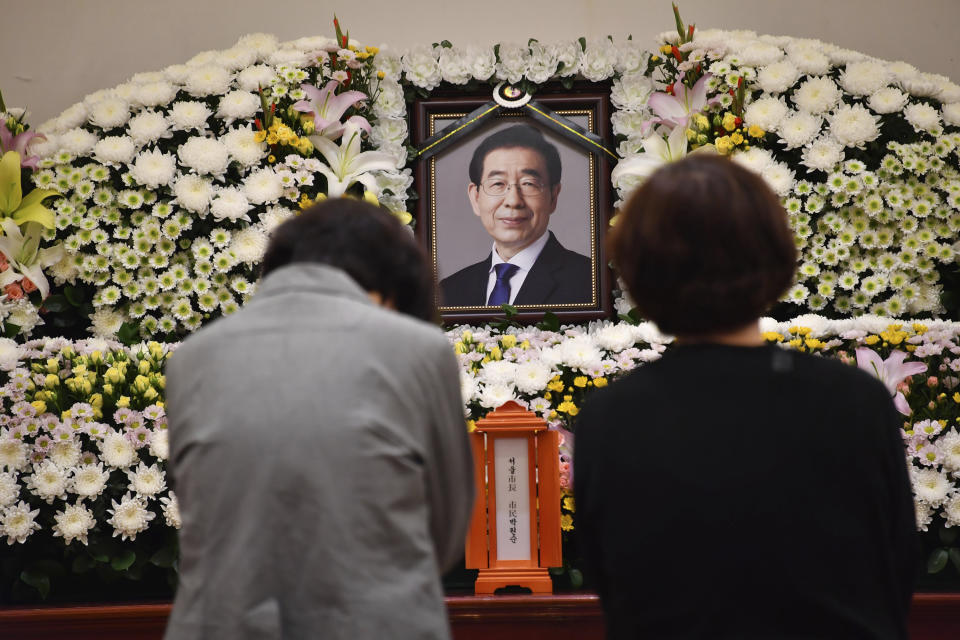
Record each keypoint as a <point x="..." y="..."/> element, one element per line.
<point x="514" y="188"/>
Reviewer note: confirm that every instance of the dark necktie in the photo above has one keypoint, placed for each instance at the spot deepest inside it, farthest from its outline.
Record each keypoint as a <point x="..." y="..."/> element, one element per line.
<point x="501" y="290"/>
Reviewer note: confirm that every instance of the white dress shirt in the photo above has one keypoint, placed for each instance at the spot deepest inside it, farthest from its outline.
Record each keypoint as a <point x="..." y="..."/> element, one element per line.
<point x="523" y="261"/>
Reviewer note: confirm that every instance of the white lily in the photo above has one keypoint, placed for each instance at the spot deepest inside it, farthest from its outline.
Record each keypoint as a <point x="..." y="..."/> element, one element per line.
<point x="347" y="164"/>
<point x="656" y="152"/>
<point x="26" y="258"/>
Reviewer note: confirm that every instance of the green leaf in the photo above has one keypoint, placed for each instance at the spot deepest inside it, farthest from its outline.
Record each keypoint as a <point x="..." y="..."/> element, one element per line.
<point x="74" y="296"/>
<point x="446" y="44"/>
<point x="567" y="82"/>
<point x="556" y="571"/>
<point x="583" y="43"/>
<point x="955" y="558"/>
<point x="948" y="535"/>
<point x="38" y="580"/>
<point x="128" y="334"/>
<point x="11" y="330"/>
<point x="83" y="563"/>
<point x="510" y="310"/>
<point x="99" y="553"/>
<point x="123" y="561"/>
<point x="576" y="578"/>
<point x="937" y="560"/>
<point x="550" y="322"/>
<point x="165" y="557"/>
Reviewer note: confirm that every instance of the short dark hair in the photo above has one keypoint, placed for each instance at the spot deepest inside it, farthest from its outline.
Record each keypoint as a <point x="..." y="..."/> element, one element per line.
<point x="703" y="245"/>
<point x="367" y="242"/>
<point x="521" y="135"/>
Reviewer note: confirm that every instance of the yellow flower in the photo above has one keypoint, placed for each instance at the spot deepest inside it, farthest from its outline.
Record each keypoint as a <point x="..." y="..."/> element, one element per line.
<point x="508" y="341"/>
<point x="372" y="50"/>
<point x="553" y="415"/>
<point x="466" y="336"/>
<point x="724" y="145"/>
<point x="305" y="202"/>
<point x="666" y="49"/>
<point x="755" y="132"/>
<point x="956" y="397"/>
<point x="796" y="343"/>
<point x="555" y="385"/>
<point x="471" y="426"/>
<point x="53" y="365"/>
<point x="496" y="353"/>
<point x="800" y="331"/>
<point x="403" y="216"/>
<point x="108" y="389"/>
<point x="39" y="405"/>
<point x="51" y="381"/>
<point x="872" y="340"/>
<point x="307" y="124"/>
<point x="813" y="343"/>
<point x="272" y="138"/>
<point x="143" y="367"/>
<point x="701" y="122"/>
<point x="655" y="58"/>
<point x="123" y="402"/>
<point x="525" y="344"/>
<point x="729" y="121"/>
<point x="96" y="400"/>
<point x="381" y="75"/>
<point x="304" y="146"/>
<point x="459" y="347"/>
<point x="736" y="137"/>
<point x="772" y="336"/>
<point x="919" y="328"/>
<point x="568" y="503"/>
<point x="566" y="522"/>
<point x="271" y="158"/>
<point x="600" y="382"/>
<point x="580" y="381"/>
<point x="568" y="407"/>
<point x="260" y="136"/>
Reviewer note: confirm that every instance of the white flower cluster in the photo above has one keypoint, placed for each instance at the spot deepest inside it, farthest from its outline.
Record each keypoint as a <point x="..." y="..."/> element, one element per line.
<point x="80" y="462"/>
<point x="170" y="194"/>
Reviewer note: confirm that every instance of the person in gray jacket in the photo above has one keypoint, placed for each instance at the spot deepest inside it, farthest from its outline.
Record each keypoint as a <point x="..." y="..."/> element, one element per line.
<point x="318" y="446"/>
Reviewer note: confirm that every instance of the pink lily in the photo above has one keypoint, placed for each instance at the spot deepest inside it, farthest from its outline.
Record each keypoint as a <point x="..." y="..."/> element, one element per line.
<point x="890" y="372"/>
<point x="18" y="143"/>
<point x="675" y="111"/>
<point x="327" y="109"/>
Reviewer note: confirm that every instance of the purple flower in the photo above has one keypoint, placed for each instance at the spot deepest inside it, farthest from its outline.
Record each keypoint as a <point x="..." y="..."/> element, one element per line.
<point x="327" y="109"/>
<point x="891" y="372"/>
<point x="18" y="143"/>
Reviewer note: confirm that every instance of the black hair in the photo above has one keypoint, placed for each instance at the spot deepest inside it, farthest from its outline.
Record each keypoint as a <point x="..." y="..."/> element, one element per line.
<point x="521" y="135"/>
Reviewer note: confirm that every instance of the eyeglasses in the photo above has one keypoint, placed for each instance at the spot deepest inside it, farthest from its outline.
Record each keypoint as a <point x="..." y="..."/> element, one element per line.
<point x="527" y="187"/>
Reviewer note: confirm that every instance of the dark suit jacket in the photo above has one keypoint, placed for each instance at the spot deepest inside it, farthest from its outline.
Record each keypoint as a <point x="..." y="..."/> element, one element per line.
<point x="559" y="276"/>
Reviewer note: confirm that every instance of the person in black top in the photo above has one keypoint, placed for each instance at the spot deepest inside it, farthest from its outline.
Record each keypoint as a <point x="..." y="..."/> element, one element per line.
<point x="733" y="489"/>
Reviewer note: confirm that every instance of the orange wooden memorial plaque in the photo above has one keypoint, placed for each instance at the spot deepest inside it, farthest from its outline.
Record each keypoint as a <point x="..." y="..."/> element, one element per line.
<point x="515" y="528"/>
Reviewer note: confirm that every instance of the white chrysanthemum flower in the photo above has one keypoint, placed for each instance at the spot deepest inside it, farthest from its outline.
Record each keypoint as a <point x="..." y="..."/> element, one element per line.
<point x="777" y="77"/>
<point x="922" y="117"/>
<point x="853" y="125"/>
<point x="129" y="517"/>
<point x="73" y="116"/>
<point x="493" y="396"/>
<point x="823" y="154"/>
<point x="577" y="353"/>
<point x="756" y="159"/>
<point x="73" y="523"/>
<point x="116" y="451"/>
<point x="887" y="100"/>
<point x="288" y="56"/>
<point x="252" y="78"/>
<point x="922" y="85"/>
<point x="758" y="54"/>
<point x="421" y="67"/>
<point x="64" y="453"/>
<point x="148" y="126"/>
<point x="25" y="316"/>
<point x="631" y="91"/>
<point x="171" y="510"/>
<point x="389" y="130"/>
<point x="9" y="354"/>
<point x="208" y="80"/>
<point x="469" y="388"/>
<point x="147" y="481"/>
<point x="109" y="113"/>
<point x="89" y="480"/>
<point x="514" y="59"/>
<point x="500" y="372"/>
<point x="77" y="141"/>
<point x="615" y="337"/>
<point x="263" y="186"/>
<point x="189" y="115"/>
<point x="951" y="113"/>
<point x="243" y="147"/>
<point x="930" y="485"/>
<point x="799" y="128"/>
<point x="274" y="217"/>
<point x="230" y="203"/>
<point x="18" y="522"/>
<point x="949" y="444"/>
<point x="160" y="444"/>
<point x="154" y="168"/>
<point x="193" y="193"/>
<point x="204" y="155"/>
<point x="115" y="150"/>
<point x="568" y="56"/>
<point x="390" y="102"/>
<point x="542" y="64"/>
<point x="48" y="481"/>
<point x="45" y="146"/>
<point x="865" y="77"/>
<point x="766" y="113"/>
<point x="780" y="177"/>
<point x="176" y="73"/>
<point x="598" y="59"/>
<point x="237" y="57"/>
<point x="238" y="105"/>
<point x="817" y="95"/>
<point x="106" y="322"/>
<point x="809" y="60"/>
<point x="454" y="65"/>
<point x="262" y="43"/>
<point x="155" y="94"/>
<point x="532" y="376"/>
<point x="9" y="489"/>
<point x="951" y="511"/>
<point x="13" y="454"/>
<point x="249" y="245"/>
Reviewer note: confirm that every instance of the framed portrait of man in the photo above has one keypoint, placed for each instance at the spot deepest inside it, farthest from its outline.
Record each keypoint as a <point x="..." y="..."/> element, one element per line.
<point x="513" y="210"/>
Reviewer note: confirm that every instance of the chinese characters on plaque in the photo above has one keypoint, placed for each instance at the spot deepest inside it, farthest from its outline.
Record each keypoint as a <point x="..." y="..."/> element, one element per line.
<point x="513" y="499"/>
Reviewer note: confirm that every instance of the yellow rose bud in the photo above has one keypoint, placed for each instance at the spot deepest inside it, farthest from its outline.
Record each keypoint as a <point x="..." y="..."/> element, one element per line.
<point x="508" y="341"/>
<point x="123" y="402"/>
<point x="371" y="197"/>
<point x="141" y="384"/>
<point x="381" y="75"/>
<point x="159" y="404"/>
<point x="403" y="216"/>
<point x="80" y="370"/>
<point x="39" y="405"/>
<point x="112" y="375"/>
<point x="159" y="381"/>
<point x="729" y="121"/>
<point x="305" y="146"/>
<point x="724" y="145"/>
<point x="96" y="357"/>
<point x="68" y="352"/>
<point x="51" y="381"/>
<point x="150" y="394"/>
<point x="691" y="135"/>
<point x="143" y="367"/>
<point x="53" y="365"/>
<point x="85" y="387"/>
<point x="701" y="122"/>
<point x="108" y="389"/>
